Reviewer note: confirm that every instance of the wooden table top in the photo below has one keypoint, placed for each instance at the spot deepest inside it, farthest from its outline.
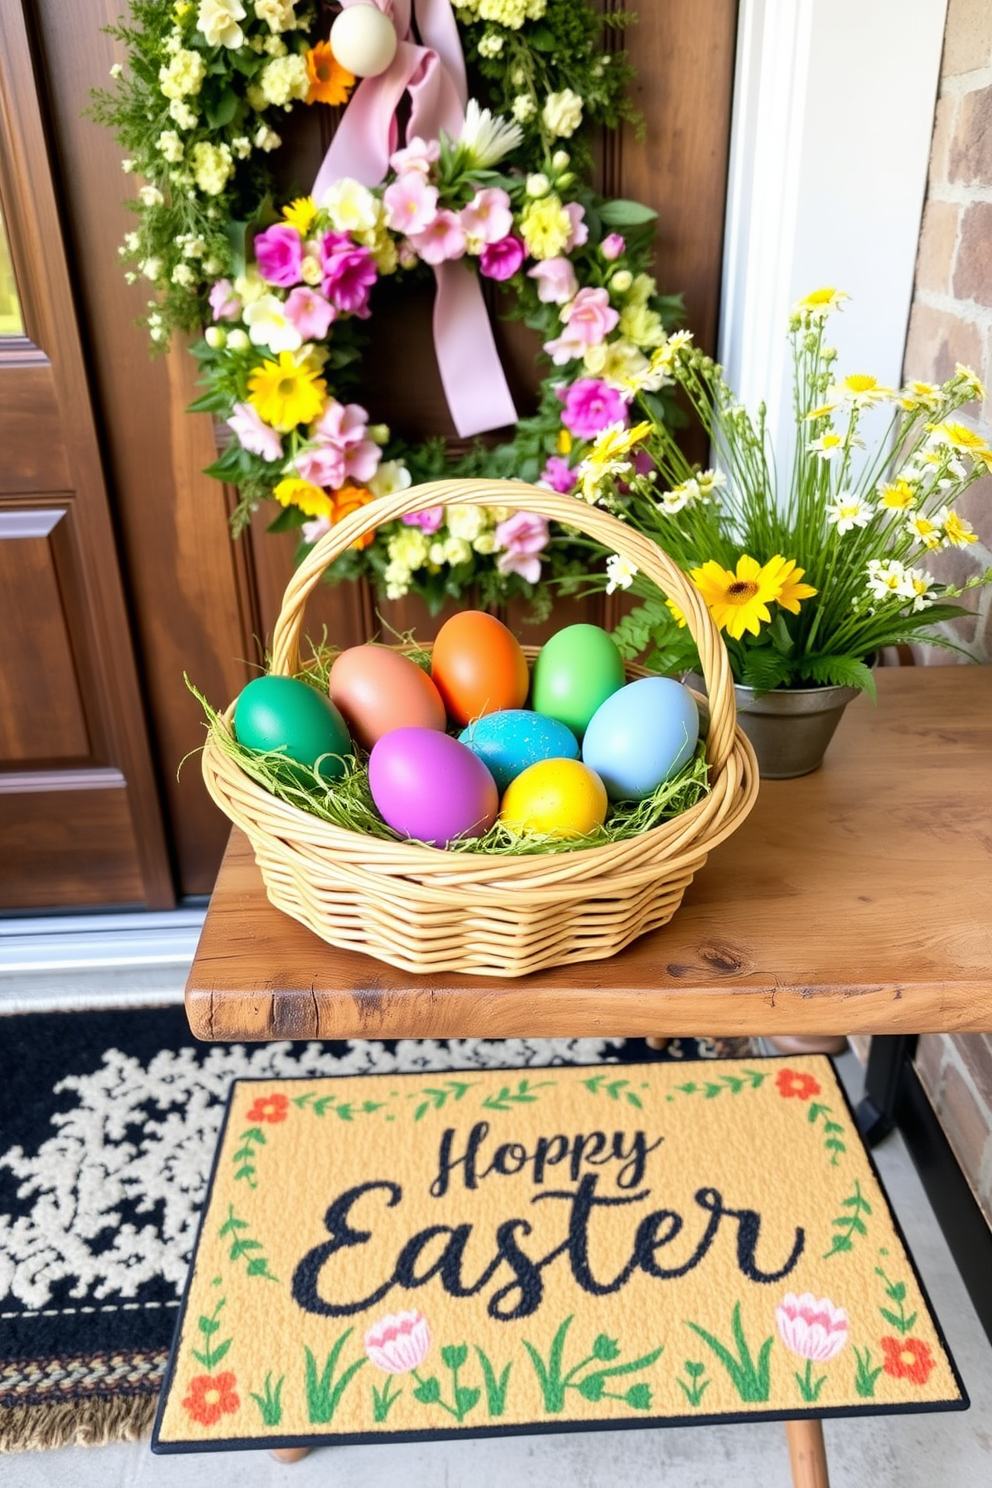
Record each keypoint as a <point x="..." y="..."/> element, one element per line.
<point x="857" y="899"/>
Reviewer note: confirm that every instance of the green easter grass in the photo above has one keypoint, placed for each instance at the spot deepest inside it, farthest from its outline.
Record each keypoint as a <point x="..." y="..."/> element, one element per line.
<point x="347" y="801"/>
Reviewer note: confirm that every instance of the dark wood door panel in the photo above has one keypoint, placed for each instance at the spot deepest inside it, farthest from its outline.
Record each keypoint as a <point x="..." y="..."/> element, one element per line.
<point x="28" y="401"/>
<point x="67" y="838"/>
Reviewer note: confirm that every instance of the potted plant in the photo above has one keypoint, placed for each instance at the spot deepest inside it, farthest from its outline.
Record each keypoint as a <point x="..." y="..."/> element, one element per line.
<point x="808" y="577"/>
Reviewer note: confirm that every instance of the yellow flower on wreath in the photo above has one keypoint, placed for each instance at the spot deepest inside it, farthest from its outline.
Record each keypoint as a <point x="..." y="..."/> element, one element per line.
<point x="300" y="214"/>
<point x="329" y="81"/>
<point x="545" y="227"/>
<point x="286" y="393"/>
<point x="312" y="500"/>
<point x="739" y="601"/>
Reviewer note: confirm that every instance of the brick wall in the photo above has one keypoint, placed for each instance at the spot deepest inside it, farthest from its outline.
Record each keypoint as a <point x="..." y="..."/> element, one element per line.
<point x="951" y="322"/>
<point x="951" y="318"/>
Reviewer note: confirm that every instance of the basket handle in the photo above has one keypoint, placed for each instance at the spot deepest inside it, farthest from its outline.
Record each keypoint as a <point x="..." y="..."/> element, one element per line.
<point x="518" y="496"/>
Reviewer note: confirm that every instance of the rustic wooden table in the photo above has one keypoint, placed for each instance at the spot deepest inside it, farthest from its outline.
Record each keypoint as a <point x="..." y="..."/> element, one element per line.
<point x="854" y="900"/>
<point x="857" y="899"/>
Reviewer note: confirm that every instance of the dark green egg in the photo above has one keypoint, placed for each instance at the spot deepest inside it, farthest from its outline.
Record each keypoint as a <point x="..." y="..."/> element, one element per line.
<point x="279" y="713"/>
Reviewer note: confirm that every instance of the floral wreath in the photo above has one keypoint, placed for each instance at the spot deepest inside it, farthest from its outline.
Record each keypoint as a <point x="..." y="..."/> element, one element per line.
<point x="471" y="194"/>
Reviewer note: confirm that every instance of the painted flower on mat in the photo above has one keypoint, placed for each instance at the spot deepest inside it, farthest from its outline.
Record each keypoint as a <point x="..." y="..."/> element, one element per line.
<point x="813" y="1329"/>
<point x="792" y="1082"/>
<point x="211" y="1396"/>
<point x="908" y="1358"/>
<point x="399" y="1342"/>
<point x="271" y="1108"/>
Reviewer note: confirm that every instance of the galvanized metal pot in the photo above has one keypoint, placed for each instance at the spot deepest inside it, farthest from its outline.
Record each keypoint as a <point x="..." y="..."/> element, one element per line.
<point x="789" y="727"/>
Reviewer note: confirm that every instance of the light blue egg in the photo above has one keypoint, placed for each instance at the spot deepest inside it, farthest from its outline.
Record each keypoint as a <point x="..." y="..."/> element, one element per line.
<point x="510" y="741"/>
<point x="642" y="735"/>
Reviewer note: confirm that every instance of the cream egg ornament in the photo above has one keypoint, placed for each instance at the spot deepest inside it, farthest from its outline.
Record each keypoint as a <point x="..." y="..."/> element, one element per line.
<point x="363" y="39"/>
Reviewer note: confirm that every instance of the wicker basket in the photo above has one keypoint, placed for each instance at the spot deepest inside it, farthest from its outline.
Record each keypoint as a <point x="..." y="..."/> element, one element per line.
<point x="429" y="911"/>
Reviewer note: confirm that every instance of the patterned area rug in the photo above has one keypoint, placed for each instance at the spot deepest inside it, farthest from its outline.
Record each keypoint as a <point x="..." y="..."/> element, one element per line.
<point x="473" y="1251"/>
<point x="108" y="1127"/>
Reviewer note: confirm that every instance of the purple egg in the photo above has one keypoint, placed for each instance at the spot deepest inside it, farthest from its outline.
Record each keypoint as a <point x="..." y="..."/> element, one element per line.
<point x="427" y="785"/>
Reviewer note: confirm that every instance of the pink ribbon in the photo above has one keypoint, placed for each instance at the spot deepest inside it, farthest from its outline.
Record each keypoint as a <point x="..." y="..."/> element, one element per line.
<point x="433" y="74"/>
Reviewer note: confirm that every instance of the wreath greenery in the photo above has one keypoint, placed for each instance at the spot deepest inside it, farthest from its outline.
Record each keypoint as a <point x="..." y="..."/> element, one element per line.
<point x="289" y="291"/>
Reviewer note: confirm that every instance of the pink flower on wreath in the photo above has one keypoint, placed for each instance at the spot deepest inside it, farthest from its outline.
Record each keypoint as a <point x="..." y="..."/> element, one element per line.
<point x="589" y="405"/>
<point x="428" y="520"/>
<point x="410" y="203"/>
<point x="612" y="246"/>
<point x="349" y="274"/>
<point x="442" y="240"/>
<point x="521" y="538"/>
<point x="579" y="235"/>
<point x="417" y="155"/>
<point x="279" y="255"/>
<point x="399" y="1342"/>
<point x="253" y="434"/>
<point x="589" y="319"/>
<point x="556" y="281"/>
<point x="309" y="313"/>
<point x="813" y="1329"/>
<point x="502" y="260"/>
<point x="224" y="303"/>
<point x="488" y="215"/>
<point x="557" y="476"/>
<point x="314" y="530"/>
<point x="341" y="448"/>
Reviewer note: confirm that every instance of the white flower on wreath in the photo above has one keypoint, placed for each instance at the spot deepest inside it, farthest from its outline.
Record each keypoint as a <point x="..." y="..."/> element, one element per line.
<point x="351" y="206"/>
<point x="212" y="166"/>
<point x="183" y="76"/>
<point x="268" y="326"/>
<point x="181" y="114"/>
<point x="285" y="78"/>
<point x="390" y="477"/>
<point x="486" y="138"/>
<point x="170" y="146"/>
<point x="279" y="15"/>
<point x="562" y="113"/>
<point x="218" y="20"/>
<point x="150" y="196"/>
<point x="467" y="522"/>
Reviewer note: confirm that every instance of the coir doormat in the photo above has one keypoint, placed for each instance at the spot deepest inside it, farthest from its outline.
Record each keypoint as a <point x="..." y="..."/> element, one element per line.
<point x="397" y="1257"/>
<point x="108" y="1126"/>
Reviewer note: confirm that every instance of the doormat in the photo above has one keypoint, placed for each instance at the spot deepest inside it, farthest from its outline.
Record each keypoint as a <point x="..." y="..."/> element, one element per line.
<point x="108" y="1126"/>
<point x="399" y="1257"/>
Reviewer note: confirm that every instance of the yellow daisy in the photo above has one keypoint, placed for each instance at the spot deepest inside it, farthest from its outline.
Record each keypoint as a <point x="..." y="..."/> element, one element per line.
<point x="898" y="495"/>
<point x="957" y="531"/>
<point x="792" y="592"/>
<point x="820" y="303"/>
<point x="959" y="437"/>
<point x="309" y="498"/>
<point x="739" y="601"/>
<point x="285" y="393"/>
<point x="965" y="377"/>
<point x="860" y="389"/>
<point x="300" y="214"/>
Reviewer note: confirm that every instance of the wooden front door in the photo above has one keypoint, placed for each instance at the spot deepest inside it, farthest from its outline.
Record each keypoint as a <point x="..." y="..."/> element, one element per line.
<point x="80" y="822"/>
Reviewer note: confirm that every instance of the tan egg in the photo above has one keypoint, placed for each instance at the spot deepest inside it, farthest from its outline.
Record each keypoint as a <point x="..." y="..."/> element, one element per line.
<point x="378" y="690"/>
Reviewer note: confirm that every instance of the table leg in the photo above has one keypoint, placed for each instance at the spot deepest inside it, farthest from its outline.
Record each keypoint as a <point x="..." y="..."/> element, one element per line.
<point x="289" y="1454"/>
<point x="807" y="1456"/>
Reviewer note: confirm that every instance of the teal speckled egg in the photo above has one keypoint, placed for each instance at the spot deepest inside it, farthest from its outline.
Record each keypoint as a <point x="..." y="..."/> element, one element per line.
<point x="511" y="741"/>
<point x="280" y="713"/>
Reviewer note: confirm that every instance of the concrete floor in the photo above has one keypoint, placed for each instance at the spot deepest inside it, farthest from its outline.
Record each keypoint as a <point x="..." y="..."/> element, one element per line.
<point x="949" y="1450"/>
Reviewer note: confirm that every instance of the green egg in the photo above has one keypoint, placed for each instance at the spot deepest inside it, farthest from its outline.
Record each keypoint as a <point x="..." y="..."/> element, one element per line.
<point x="575" y="671"/>
<point x="282" y="714"/>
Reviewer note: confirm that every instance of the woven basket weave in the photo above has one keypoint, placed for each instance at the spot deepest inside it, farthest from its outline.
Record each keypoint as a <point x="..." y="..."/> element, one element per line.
<point x="429" y="911"/>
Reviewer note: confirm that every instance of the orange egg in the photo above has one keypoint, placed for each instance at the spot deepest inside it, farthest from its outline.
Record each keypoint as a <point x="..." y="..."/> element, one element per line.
<point x="478" y="666"/>
<point x="378" y="690"/>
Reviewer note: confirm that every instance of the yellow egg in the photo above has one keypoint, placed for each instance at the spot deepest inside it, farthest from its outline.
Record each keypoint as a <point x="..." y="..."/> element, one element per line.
<point x="559" y="797"/>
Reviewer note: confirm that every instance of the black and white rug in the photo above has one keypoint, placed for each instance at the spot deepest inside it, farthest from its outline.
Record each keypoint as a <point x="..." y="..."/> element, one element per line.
<point x="108" y="1124"/>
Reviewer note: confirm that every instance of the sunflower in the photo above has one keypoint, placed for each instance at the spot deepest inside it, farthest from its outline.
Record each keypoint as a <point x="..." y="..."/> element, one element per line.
<point x="329" y="81"/>
<point x="285" y="393"/>
<point x="739" y="601"/>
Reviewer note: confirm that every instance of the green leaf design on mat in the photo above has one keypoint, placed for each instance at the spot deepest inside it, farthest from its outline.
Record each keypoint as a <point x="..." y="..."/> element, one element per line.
<point x="495" y="1389"/>
<point x="832" y="1130"/>
<point x="383" y="1401"/>
<point x="245" y="1155"/>
<point x="211" y="1356"/>
<point x="323" y="1392"/>
<point x="270" y="1404"/>
<point x="850" y="1224"/>
<point x="809" y="1388"/>
<point x="243" y="1245"/>
<point x="593" y="1385"/>
<point x="439" y="1095"/>
<point x="865" y="1376"/>
<point x="751" y="1380"/>
<point x="523" y="1095"/>
<point x="463" y="1397"/>
<point x="694" y="1387"/>
<point x="615" y="1089"/>
<point x="896" y="1292"/>
<point x="710" y="1089"/>
<point x="343" y="1110"/>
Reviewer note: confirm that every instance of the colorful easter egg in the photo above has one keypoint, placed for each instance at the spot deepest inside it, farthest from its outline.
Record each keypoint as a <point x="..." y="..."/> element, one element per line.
<point x="280" y="713"/>
<point x="428" y="786"/>
<point x="641" y="736"/>
<point x="378" y="690"/>
<point x="557" y="797"/>
<point x="575" y="672"/>
<point x="508" y="742"/>
<point x="478" y="666"/>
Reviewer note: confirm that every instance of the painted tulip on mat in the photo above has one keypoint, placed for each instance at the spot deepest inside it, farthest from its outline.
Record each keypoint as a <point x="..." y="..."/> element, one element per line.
<point x="399" y="1342"/>
<point x="812" y="1329"/>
